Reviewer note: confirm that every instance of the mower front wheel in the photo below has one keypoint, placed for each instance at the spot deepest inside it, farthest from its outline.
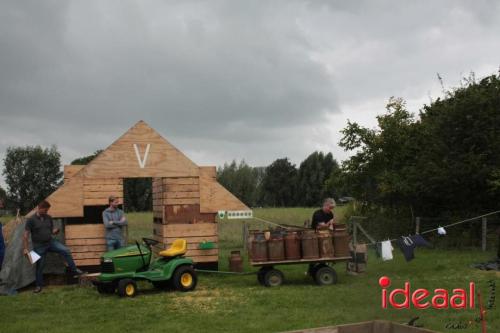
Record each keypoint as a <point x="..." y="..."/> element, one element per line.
<point x="127" y="288"/>
<point x="184" y="278"/>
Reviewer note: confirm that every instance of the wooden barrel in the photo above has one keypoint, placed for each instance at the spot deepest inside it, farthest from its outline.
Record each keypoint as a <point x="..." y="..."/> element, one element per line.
<point x="276" y="249"/>
<point x="341" y="241"/>
<point x="259" y="250"/>
<point x="325" y="244"/>
<point x="309" y="243"/>
<point x="292" y="245"/>
<point x="235" y="262"/>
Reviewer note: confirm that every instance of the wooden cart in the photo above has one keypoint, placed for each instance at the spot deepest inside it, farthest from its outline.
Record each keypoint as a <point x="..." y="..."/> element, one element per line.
<point x="319" y="269"/>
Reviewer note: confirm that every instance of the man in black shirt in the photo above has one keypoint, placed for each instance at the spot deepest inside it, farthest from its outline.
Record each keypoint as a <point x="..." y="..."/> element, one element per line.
<point x="41" y="227"/>
<point x="323" y="217"/>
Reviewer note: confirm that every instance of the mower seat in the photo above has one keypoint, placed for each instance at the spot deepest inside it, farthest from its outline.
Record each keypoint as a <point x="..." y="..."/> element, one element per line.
<point x="178" y="248"/>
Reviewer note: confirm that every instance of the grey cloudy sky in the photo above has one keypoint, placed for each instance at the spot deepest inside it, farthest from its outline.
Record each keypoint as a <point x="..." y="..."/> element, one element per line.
<point x="228" y="79"/>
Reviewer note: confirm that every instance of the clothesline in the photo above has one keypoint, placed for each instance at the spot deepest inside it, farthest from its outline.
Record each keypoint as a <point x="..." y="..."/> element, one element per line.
<point x="454" y="224"/>
<point x="392" y="240"/>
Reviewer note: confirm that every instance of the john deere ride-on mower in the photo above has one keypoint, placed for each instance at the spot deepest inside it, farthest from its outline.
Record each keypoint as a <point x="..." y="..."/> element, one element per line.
<point x="120" y="269"/>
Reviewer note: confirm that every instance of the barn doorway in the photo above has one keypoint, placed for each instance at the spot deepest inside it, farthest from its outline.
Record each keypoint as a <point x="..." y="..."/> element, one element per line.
<point x="138" y="207"/>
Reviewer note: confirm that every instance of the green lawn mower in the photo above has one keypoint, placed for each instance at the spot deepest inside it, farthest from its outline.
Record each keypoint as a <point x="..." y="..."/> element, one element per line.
<point x="120" y="269"/>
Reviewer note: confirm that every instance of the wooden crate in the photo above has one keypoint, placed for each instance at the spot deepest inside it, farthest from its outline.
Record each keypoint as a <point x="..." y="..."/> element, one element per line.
<point x="86" y="243"/>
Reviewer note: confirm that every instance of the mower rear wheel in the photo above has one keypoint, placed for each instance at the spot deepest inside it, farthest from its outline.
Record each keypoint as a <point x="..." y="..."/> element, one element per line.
<point x="127" y="288"/>
<point x="184" y="278"/>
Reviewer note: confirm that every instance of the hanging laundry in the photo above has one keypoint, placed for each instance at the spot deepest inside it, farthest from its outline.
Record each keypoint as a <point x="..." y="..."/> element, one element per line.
<point x="386" y="250"/>
<point x="441" y="231"/>
<point x="408" y="245"/>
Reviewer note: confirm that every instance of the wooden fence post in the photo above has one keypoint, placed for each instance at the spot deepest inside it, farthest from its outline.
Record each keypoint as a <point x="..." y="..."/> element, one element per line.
<point x="484" y="232"/>
<point x="417" y="225"/>
<point x="245" y="235"/>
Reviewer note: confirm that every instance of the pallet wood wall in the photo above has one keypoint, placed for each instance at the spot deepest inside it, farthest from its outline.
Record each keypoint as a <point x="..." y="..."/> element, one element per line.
<point x="185" y="196"/>
<point x="141" y="152"/>
<point x="71" y="170"/>
<point x="194" y="234"/>
<point x="86" y="242"/>
<point x="96" y="191"/>
<point x="176" y="209"/>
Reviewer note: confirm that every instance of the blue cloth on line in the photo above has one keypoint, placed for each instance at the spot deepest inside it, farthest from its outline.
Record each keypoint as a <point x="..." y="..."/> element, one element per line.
<point x="408" y="244"/>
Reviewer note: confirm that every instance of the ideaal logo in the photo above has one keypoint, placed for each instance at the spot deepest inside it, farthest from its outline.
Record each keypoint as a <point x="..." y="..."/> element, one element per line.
<point x="422" y="298"/>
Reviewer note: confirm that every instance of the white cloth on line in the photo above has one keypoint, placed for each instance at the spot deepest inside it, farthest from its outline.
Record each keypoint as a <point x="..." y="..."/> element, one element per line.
<point x="441" y="231"/>
<point x="387" y="250"/>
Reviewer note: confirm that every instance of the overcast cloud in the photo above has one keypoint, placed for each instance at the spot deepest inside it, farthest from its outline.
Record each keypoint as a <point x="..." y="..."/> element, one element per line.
<point x="228" y="79"/>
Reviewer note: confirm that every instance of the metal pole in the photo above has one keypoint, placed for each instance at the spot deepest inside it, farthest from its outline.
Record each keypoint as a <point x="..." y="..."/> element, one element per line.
<point x="417" y="225"/>
<point x="484" y="232"/>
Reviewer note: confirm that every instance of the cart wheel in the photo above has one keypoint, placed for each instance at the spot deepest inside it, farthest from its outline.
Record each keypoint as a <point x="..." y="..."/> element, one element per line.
<point x="184" y="278"/>
<point x="273" y="278"/>
<point x="325" y="276"/>
<point x="313" y="268"/>
<point x="127" y="288"/>
<point x="261" y="273"/>
<point x="106" y="288"/>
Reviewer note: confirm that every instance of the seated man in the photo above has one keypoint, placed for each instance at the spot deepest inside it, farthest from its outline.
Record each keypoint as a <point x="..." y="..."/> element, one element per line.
<point x="323" y="217"/>
<point x="114" y="220"/>
<point x="41" y="227"/>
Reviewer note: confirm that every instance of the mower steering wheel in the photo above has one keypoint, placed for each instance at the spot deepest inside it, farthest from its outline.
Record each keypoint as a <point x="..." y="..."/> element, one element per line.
<point x="140" y="252"/>
<point x="149" y="242"/>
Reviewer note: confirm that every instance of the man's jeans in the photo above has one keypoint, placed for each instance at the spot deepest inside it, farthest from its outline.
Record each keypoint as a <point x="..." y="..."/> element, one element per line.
<point x="113" y="244"/>
<point x="53" y="246"/>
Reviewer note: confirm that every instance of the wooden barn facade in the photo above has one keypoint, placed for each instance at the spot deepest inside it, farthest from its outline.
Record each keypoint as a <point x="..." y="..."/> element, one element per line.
<point x="186" y="197"/>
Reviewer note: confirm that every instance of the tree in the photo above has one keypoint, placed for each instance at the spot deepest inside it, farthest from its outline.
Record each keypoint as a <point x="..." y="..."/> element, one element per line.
<point x="3" y="196"/>
<point x="279" y="183"/>
<point x="31" y="174"/>
<point x="444" y="161"/>
<point x="86" y="159"/>
<point x="240" y="179"/>
<point x="312" y="178"/>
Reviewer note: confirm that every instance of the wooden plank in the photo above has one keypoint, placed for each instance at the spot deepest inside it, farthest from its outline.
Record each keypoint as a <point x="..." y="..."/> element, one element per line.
<point x="71" y="170"/>
<point x="85" y="241"/>
<point x="97" y="202"/>
<point x="198" y="259"/>
<point x="103" y="181"/>
<point x="126" y="157"/>
<point x="88" y="262"/>
<point x="87" y="255"/>
<point x="87" y="248"/>
<point x="185" y="230"/>
<point x="181" y="181"/>
<point x="180" y="195"/>
<point x="186" y="214"/>
<point x="84" y="231"/>
<point x="102" y="187"/>
<point x="102" y="195"/>
<point x="180" y="188"/>
<point x="67" y="200"/>
<point x="214" y="197"/>
<point x="184" y="201"/>
<point x="190" y="240"/>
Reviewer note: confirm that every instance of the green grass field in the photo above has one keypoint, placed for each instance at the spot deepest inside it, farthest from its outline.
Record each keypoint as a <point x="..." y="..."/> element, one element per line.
<point x="225" y="303"/>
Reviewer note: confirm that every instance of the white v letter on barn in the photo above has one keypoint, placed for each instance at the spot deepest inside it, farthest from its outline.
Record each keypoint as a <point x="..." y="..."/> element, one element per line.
<point x="142" y="162"/>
